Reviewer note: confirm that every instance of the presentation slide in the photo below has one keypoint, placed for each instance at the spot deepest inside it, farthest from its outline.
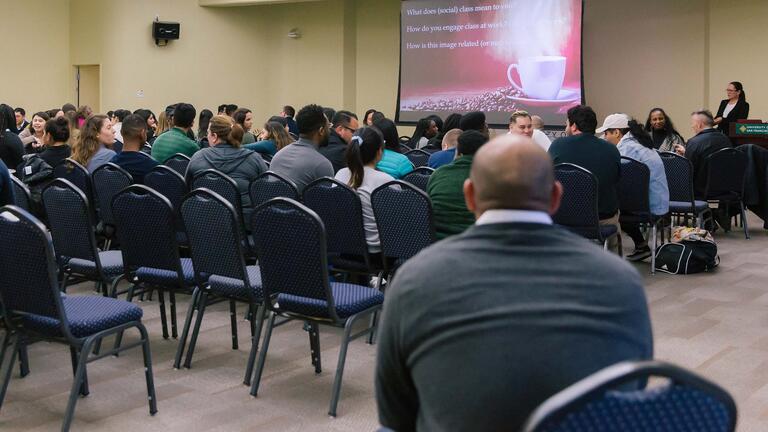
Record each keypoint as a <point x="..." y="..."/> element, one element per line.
<point x="496" y="56"/>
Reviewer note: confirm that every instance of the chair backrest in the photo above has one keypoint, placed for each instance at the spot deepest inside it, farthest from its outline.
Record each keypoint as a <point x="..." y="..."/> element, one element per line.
<point x="178" y="163"/>
<point x="145" y="222"/>
<point x="726" y="171"/>
<point x="578" y="206"/>
<point x="270" y="185"/>
<point x="146" y="148"/>
<point x="633" y="187"/>
<point x="599" y="403"/>
<point x="419" y="177"/>
<point x="405" y="140"/>
<point x="404" y="217"/>
<point x="77" y="174"/>
<point x="679" y="171"/>
<point x="220" y="183"/>
<point x="215" y="238"/>
<point x="169" y="184"/>
<point x="28" y="284"/>
<point x="341" y="211"/>
<point x="108" y="180"/>
<point x="71" y="221"/>
<point x="418" y="157"/>
<point x="290" y="242"/>
<point x="404" y="148"/>
<point x="21" y="194"/>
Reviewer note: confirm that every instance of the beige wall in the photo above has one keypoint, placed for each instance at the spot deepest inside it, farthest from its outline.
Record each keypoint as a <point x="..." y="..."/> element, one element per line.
<point x="675" y="54"/>
<point x="35" y="63"/>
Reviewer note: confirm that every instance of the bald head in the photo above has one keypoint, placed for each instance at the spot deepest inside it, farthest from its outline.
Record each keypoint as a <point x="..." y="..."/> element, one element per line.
<point x="512" y="172"/>
<point x="451" y="139"/>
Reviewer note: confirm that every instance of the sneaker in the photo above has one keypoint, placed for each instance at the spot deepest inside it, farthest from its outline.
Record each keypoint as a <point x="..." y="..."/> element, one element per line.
<point x="640" y="254"/>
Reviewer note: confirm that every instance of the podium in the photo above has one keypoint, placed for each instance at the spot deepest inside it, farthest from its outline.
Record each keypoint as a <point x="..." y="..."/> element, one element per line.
<point x="749" y="132"/>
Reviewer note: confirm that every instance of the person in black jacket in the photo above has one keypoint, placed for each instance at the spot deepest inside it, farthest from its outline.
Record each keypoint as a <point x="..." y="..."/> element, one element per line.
<point x="732" y="109"/>
<point x="344" y="126"/>
<point x="11" y="147"/>
<point x="706" y="141"/>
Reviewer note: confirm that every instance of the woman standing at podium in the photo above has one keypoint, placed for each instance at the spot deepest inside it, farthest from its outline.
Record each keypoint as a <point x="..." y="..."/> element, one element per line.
<point x="732" y="109"/>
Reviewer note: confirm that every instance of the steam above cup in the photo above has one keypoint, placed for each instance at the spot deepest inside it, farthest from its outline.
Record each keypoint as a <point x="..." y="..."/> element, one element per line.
<point x="541" y="77"/>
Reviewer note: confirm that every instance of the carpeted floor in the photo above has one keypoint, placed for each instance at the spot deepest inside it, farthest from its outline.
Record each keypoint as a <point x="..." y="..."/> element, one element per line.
<point x="715" y="324"/>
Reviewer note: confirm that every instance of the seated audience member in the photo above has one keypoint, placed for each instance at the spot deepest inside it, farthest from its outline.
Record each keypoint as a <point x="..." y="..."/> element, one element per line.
<point x="480" y="329"/>
<point x="36" y="171"/>
<point x="149" y="117"/>
<point x="365" y="149"/>
<point x="378" y="115"/>
<point x="81" y="115"/>
<point x="368" y="117"/>
<point x="272" y="139"/>
<point x="226" y="155"/>
<point x="329" y="113"/>
<point x="448" y="153"/>
<point x="117" y="123"/>
<point x="131" y="159"/>
<point x="706" y="141"/>
<point x="11" y="148"/>
<point x="300" y="162"/>
<point x="176" y="140"/>
<point x="32" y="135"/>
<point x="445" y="187"/>
<point x="230" y="110"/>
<point x="633" y="142"/>
<point x="92" y="149"/>
<point x="451" y="122"/>
<point x="434" y="144"/>
<point x="55" y="139"/>
<point x="344" y="125"/>
<point x="426" y="128"/>
<point x="581" y="147"/>
<point x="521" y="123"/>
<point x="392" y="162"/>
<point x="202" y="127"/>
<point x="6" y="186"/>
<point x="474" y="120"/>
<point x="538" y="122"/>
<point x="665" y="136"/>
<point x="220" y="111"/>
<point x="20" y="115"/>
<point x="289" y="113"/>
<point x="244" y="117"/>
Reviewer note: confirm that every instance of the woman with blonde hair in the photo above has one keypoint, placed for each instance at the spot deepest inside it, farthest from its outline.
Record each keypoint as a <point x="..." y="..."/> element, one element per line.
<point x="163" y="125"/>
<point x="93" y="147"/>
<point x="226" y="155"/>
<point x="272" y="139"/>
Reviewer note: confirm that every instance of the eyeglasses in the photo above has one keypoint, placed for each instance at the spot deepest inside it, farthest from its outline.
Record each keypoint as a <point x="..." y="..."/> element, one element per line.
<point x="349" y="129"/>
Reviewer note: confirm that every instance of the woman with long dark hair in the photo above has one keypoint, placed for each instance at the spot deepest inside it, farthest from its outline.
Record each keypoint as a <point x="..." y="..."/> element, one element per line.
<point x="634" y="142"/>
<point x="11" y="148"/>
<point x="663" y="133"/>
<point x="271" y="140"/>
<point x="244" y="117"/>
<point x="365" y="150"/>
<point x="368" y="117"/>
<point x="426" y="128"/>
<point x="202" y="127"/>
<point x="732" y="109"/>
<point x="392" y="162"/>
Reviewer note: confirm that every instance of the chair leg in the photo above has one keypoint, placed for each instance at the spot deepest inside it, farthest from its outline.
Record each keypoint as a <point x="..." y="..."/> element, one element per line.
<point x="340" y="366"/>
<point x="6" y="375"/>
<point x="174" y="324"/>
<point x="372" y="335"/>
<point x="744" y="220"/>
<point x="75" y="355"/>
<point x="314" y="346"/>
<point x="23" y="358"/>
<point x="64" y="282"/>
<point x="258" y="319"/>
<point x="653" y="249"/>
<point x="196" y="331"/>
<point x="148" y="376"/>
<point x="262" y="356"/>
<point x="163" y="318"/>
<point x="119" y="336"/>
<point x="185" y="332"/>
<point x="233" y="323"/>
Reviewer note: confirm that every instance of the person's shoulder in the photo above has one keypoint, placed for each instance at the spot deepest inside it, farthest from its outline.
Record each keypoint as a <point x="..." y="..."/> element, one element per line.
<point x="343" y="175"/>
<point x="380" y="176"/>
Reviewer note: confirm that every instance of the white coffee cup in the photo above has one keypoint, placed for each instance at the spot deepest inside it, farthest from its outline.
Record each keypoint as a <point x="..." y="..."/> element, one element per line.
<point x="541" y="77"/>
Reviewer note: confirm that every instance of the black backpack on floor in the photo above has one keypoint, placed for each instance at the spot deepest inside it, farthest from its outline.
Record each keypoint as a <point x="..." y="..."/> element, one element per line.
<point x="687" y="257"/>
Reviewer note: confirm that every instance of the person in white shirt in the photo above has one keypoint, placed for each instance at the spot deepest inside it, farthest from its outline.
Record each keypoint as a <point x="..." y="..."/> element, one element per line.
<point x="521" y="123"/>
<point x="363" y="153"/>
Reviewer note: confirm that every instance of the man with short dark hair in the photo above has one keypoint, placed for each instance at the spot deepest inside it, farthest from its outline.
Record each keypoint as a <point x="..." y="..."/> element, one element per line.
<point x="343" y="127"/>
<point x="176" y="140"/>
<point x="222" y="109"/>
<point x="289" y="112"/>
<point x="230" y="109"/>
<point x="21" y="120"/>
<point x="131" y="159"/>
<point x="300" y="162"/>
<point x="479" y="329"/>
<point x="581" y="147"/>
<point x="474" y="120"/>
<point x="445" y="187"/>
<point x="706" y="141"/>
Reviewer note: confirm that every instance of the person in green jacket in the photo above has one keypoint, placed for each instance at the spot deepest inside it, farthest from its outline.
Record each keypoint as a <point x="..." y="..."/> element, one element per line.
<point x="446" y="187"/>
<point x="176" y="140"/>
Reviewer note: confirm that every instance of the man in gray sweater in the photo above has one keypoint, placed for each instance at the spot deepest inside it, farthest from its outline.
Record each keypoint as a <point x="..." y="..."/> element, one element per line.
<point x="479" y="329"/>
<point x="301" y="162"/>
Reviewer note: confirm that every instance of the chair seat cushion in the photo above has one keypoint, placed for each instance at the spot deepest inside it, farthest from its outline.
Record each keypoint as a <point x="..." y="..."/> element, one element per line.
<point x="685" y="207"/>
<point x="353" y="263"/>
<point x="86" y="315"/>
<point x="167" y="277"/>
<point x="349" y="299"/>
<point x="230" y="287"/>
<point x="111" y="264"/>
<point x="592" y="233"/>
